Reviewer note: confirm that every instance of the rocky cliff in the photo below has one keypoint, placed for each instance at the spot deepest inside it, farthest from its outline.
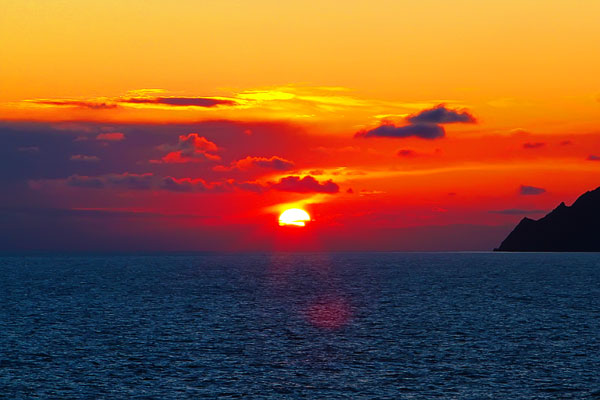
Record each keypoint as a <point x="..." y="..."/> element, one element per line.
<point x="574" y="228"/>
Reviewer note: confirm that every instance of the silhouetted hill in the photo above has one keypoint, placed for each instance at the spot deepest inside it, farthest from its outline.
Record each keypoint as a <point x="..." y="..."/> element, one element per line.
<point x="574" y="228"/>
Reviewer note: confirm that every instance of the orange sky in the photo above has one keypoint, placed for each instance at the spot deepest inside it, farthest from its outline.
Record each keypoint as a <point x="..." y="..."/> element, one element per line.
<point x="298" y="80"/>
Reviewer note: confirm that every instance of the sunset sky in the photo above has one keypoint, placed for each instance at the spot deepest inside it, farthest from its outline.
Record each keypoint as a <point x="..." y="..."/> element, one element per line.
<point x="147" y="125"/>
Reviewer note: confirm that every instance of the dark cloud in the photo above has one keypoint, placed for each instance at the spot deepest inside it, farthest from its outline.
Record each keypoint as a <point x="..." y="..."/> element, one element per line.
<point x="531" y="190"/>
<point x="441" y="115"/>
<point x="593" y="157"/>
<point x="566" y="142"/>
<point x="190" y="148"/>
<point x="149" y="181"/>
<point x="109" y="137"/>
<point x="83" y="157"/>
<point x="533" y="145"/>
<point x="423" y="131"/>
<point x="276" y="163"/>
<point x="426" y="124"/>
<point x="204" y="102"/>
<point x="250" y="187"/>
<point x="200" y="185"/>
<point x="517" y="211"/>
<point x="125" y="181"/>
<point x="130" y="181"/>
<point x="308" y="184"/>
<point x="29" y="149"/>
<point x="93" y="105"/>
<point x="60" y="158"/>
<point x="406" y="153"/>
<point x="85" y="182"/>
<point x="181" y="101"/>
<point x="94" y="213"/>
<point x="182" y="185"/>
<point x="57" y="143"/>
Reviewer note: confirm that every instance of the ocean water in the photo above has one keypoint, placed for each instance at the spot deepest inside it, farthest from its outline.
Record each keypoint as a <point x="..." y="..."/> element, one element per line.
<point x="291" y="326"/>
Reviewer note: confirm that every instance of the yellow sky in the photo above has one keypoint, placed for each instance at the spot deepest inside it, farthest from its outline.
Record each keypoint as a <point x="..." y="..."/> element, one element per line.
<point x="516" y="63"/>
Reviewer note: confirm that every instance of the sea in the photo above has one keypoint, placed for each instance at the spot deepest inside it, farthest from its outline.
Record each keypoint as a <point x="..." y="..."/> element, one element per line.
<point x="301" y="326"/>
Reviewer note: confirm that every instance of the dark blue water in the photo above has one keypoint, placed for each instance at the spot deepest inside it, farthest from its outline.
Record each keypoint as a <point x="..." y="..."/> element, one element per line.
<point x="372" y="326"/>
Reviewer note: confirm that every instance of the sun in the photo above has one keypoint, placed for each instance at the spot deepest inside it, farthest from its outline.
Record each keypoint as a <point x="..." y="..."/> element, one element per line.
<point x="294" y="217"/>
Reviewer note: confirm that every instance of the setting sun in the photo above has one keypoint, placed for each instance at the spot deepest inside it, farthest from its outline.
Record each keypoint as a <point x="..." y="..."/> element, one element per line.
<point x="294" y="217"/>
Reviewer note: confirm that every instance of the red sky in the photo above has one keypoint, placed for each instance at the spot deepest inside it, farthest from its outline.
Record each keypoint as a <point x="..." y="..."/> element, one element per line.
<point x="141" y="126"/>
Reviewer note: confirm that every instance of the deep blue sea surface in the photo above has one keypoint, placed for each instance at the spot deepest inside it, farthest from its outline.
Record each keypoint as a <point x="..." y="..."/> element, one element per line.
<point x="290" y="326"/>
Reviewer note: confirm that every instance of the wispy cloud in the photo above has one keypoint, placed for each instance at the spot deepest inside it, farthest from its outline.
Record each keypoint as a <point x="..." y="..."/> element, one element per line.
<point x="125" y="180"/>
<point x="441" y="115"/>
<point x="190" y="148"/>
<point x="406" y="153"/>
<point x="307" y="184"/>
<point x="111" y="136"/>
<point x="426" y="124"/>
<point x="89" y="104"/>
<point x="423" y="131"/>
<point x="533" y="145"/>
<point x="180" y="101"/>
<point x="84" y="158"/>
<point x="526" y="190"/>
<point x="274" y="162"/>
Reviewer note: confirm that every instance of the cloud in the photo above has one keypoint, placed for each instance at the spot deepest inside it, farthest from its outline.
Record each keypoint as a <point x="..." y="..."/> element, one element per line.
<point x="130" y="181"/>
<point x="566" y="142"/>
<point x="276" y="163"/>
<point x="423" y="131"/>
<point x="149" y="181"/>
<point x="308" y="184"/>
<point x="125" y="180"/>
<point x="365" y="192"/>
<point x="92" y="105"/>
<point x="83" y="157"/>
<point x="183" y="184"/>
<point x="29" y="149"/>
<point x="250" y="186"/>
<point x="190" y="148"/>
<point x="104" y="103"/>
<point x="533" y="145"/>
<point x="85" y="182"/>
<point x="531" y="190"/>
<point x="180" y="101"/>
<point x="441" y="115"/>
<point x="519" y="132"/>
<point x="111" y="137"/>
<point x="593" y="157"/>
<point x="406" y="153"/>
<point x="426" y="124"/>
<point x="517" y="211"/>
<point x="96" y="213"/>
<point x="52" y="165"/>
